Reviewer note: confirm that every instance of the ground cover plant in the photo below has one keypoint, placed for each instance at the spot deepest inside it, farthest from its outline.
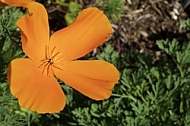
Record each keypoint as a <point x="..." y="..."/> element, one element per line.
<point x="153" y="60"/>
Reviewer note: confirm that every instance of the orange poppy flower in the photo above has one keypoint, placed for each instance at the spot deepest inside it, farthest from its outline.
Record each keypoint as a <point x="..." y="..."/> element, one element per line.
<point x="32" y="79"/>
<point x="22" y="3"/>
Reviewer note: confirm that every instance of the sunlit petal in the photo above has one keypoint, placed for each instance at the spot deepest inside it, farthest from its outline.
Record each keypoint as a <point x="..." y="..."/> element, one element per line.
<point x="90" y="29"/>
<point x="94" y="79"/>
<point x="34" y="31"/>
<point x="17" y="2"/>
<point x="34" y="90"/>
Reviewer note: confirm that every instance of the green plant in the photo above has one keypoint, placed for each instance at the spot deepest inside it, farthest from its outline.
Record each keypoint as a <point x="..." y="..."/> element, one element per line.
<point x="73" y="10"/>
<point x="112" y="8"/>
<point x="9" y="41"/>
<point x="186" y="23"/>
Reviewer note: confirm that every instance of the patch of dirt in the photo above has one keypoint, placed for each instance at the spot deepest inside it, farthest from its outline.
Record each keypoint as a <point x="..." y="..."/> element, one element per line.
<point x="145" y="21"/>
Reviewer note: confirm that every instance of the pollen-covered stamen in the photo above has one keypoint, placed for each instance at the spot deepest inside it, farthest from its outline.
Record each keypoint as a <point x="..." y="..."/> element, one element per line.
<point x="47" y="63"/>
<point x="44" y="66"/>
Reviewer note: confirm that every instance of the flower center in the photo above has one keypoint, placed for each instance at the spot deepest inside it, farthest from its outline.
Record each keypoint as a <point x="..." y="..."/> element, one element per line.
<point x="49" y="61"/>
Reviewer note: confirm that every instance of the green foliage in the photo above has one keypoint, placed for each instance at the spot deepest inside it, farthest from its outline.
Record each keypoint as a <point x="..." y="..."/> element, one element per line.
<point x="61" y="2"/>
<point x="9" y="47"/>
<point x="109" y="55"/>
<point x="8" y="106"/>
<point x="186" y="24"/>
<point x="112" y="8"/>
<point x="149" y="93"/>
<point x="73" y="10"/>
<point x="180" y="55"/>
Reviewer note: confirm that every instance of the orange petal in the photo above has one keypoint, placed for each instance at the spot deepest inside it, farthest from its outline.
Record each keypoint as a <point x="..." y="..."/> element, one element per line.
<point x="90" y="29"/>
<point x="94" y="79"/>
<point x="34" y="90"/>
<point x="17" y="2"/>
<point x="34" y="31"/>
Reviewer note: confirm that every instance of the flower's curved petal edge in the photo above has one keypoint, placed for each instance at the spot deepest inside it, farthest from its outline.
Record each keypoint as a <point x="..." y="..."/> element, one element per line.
<point x="19" y="3"/>
<point x="90" y="29"/>
<point x="34" y="91"/>
<point x="94" y="79"/>
<point x="2" y="4"/>
<point x="34" y="31"/>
